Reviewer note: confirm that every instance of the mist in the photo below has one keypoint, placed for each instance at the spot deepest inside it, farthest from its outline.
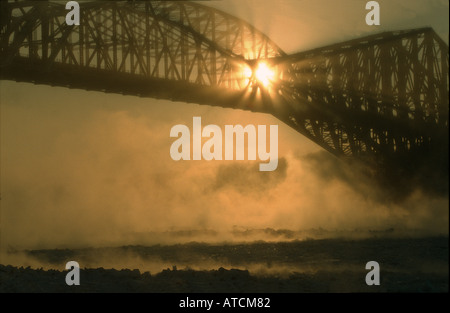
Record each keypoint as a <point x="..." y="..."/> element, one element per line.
<point x="84" y="169"/>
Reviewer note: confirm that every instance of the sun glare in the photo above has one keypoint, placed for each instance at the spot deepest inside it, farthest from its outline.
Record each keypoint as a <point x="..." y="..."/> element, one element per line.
<point x="264" y="74"/>
<point x="248" y="72"/>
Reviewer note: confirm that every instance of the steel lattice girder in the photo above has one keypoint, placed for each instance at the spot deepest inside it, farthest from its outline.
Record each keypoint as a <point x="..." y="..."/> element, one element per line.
<point x="383" y="94"/>
<point x="158" y="39"/>
<point x="382" y="97"/>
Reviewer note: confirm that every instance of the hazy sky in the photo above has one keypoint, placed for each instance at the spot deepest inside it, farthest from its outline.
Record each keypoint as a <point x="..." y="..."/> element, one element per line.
<point x="85" y="168"/>
<point x="298" y="25"/>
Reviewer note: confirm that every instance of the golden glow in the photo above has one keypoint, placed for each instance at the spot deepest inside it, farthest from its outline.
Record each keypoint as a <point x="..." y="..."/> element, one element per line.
<point x="261" y="74"/>
<point x="248" y="72"/>
<point x="264" y="74"/>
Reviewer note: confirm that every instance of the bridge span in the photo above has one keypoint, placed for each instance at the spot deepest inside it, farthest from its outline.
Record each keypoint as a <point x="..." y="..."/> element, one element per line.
<point x="381" y="99"/>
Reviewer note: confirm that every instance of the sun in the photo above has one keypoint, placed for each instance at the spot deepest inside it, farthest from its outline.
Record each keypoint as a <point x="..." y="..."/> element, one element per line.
<point x="264" y="74"/>
<point x="261" y="74"/>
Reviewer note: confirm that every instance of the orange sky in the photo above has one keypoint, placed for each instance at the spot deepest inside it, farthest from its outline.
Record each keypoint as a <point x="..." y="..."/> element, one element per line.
<point x="298" y="25"/>
<point x="86" y="168"/>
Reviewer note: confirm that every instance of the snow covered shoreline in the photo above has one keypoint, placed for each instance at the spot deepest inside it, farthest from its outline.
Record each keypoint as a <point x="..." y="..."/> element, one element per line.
<point x="337" y="265"/>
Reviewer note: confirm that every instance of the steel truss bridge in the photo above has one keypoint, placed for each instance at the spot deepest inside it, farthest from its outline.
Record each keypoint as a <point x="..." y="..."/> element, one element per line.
<point x="382" y="99"/>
